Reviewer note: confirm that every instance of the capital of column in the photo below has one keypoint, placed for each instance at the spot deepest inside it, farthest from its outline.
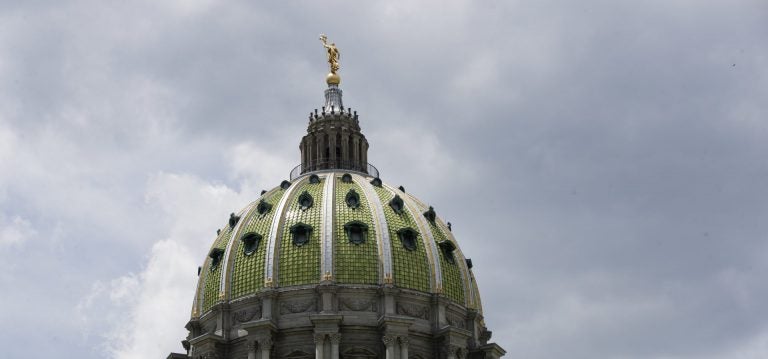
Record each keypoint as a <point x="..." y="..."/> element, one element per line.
<point x="403" y="341"/>
<point x="450" y="349"/>
<point x="389" y="339"/>
<point x="335" y="338"/>
<point x="461" y="353"/>
<point x="253" y="345"/>
<point x="266" y="342"/>
<point x="320" y="337"/>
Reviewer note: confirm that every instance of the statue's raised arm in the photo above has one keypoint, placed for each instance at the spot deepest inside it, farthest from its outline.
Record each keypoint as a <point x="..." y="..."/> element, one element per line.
<point x="333" y="53"/>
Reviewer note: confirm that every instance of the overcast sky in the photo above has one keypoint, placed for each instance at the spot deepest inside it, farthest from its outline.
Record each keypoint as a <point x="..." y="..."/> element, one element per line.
<point x="604" y="163"/>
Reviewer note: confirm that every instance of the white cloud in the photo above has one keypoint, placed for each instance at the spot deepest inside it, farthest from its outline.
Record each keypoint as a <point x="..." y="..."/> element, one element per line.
<point x="144" y="314"/>
<point x="15" y="231"/>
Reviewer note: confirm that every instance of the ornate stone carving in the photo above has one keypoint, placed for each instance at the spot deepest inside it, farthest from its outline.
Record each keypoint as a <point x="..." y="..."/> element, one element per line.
<point x="389" y="339"/>
<point x="450" y="349"/>
<point x="413" y="310"/>
<point x="461" y="353"/>
<point x="319" y="338"/>
<point x="297" y="306"/>
<point x="298" y="354"/>
<point x="335" y="338"/>
<point x="358" y="352"/>
<point x="265" y="343"/>
<point x="403" y="341"/>
<point x="358" y="305"/>
<point x="456" y="321"/>
<point x="245" y="315"/>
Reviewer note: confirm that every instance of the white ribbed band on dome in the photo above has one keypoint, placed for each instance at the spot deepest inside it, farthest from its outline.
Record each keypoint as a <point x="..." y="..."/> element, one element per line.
<point x="462" y="263"/>
<point x="226" y="273"/>
<point x="380" y="223"/>
<point x="326" y="227"/>
<point x="421" y="222"/>
<point x="277" y="221"/>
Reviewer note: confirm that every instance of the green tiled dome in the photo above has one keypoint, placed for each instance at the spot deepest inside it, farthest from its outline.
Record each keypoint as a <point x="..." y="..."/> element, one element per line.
<point x="334" y="227"/>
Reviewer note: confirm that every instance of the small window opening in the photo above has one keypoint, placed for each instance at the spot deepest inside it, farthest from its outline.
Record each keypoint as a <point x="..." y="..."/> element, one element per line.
<point x="376" y="182"/>
<point x="430" y="214"/>
<point x="448" y="247"/>
<point x="233" y="220"/>
<point x="285" y="184"/>
<point x="300" y="234"/>
<point x="215" y="255"/>
<point x="408" y="238"/>
<point x="251" y="242"/>
<point x="397" y="204"/>
<point x="346" y="178"/>
<point x="305" y="201"/>
<point x="263" y="207"/>
<point x="314" y="179"/>
<point x="352" y="199"/>
<point x="357" y="232"/>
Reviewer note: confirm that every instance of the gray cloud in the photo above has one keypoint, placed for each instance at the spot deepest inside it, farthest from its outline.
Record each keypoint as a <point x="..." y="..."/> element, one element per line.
<point x="603" y="162"/>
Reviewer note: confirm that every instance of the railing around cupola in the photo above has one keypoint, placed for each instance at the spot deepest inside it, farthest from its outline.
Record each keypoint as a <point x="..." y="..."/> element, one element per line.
<point x="368" y="169"/>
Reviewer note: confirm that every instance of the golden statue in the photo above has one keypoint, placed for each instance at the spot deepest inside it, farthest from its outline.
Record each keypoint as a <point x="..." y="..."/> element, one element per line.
<point x="333" y="53"/>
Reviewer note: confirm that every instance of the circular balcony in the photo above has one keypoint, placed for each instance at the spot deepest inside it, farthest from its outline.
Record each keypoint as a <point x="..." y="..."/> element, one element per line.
<point x="368" y="169"/>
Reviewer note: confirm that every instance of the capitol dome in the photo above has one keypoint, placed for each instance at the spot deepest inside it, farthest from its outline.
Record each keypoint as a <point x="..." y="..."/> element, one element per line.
<point x="334" y="263"/>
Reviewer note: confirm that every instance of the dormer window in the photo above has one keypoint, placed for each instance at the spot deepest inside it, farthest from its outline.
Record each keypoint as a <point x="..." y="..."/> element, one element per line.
<point x="346" y="178"/>
<point x="251" y="242"/>
<point x="352" y="199"/>
<point x="397" y="204"/>
<point x="430" y="214"/>
<point x="313" y="179"/>
<point x="408" y="238"/>
<point x="300" y="234"/>
<point x="305" y="201"/>
<point x="376" y="182"/>
<point x="216" y="254"/>
<point x="285" y="184"/>
<point x="357" y="232"/>
<point x="263" y="207"/>
<point x="448" y="247"/>
<point x="233" y="220"/>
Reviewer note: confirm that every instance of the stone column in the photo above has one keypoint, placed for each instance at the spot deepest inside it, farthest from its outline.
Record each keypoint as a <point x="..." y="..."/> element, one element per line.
<point x="335" y="340"/>
<point x="356" y="151"/>
<point x="252" y="346"/>
<point x="266" y="347"/>
<point x="345" y="149"/>
<point x="450" y="351"/>
<point x="332" y="145"/>
<point x="403" y="347"/>
<point x="389" y="342"/>
<point x="319" y="346"/>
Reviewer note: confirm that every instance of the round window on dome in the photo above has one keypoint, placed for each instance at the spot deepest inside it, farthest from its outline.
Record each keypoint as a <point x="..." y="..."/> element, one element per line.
<point x="313" y="179"/>
<point x="305" y="201"/>
<point x="352" y="199"/>
<point x="263" y="207"/>
<point x="357" y="232"/>
<point x="251" y="242"/>
<point x="448" y="247"/>
<point x="300" y="234"/>
<point x="216" y="254"/>
<point x="397" y="204"/>
<point x="233" y="220"/>
<point x="346" y="178"/>
<point x="408" y="238"/>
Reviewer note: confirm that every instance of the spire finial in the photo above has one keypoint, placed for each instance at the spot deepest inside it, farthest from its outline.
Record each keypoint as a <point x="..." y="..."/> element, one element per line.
<point x="333" y="60"/>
